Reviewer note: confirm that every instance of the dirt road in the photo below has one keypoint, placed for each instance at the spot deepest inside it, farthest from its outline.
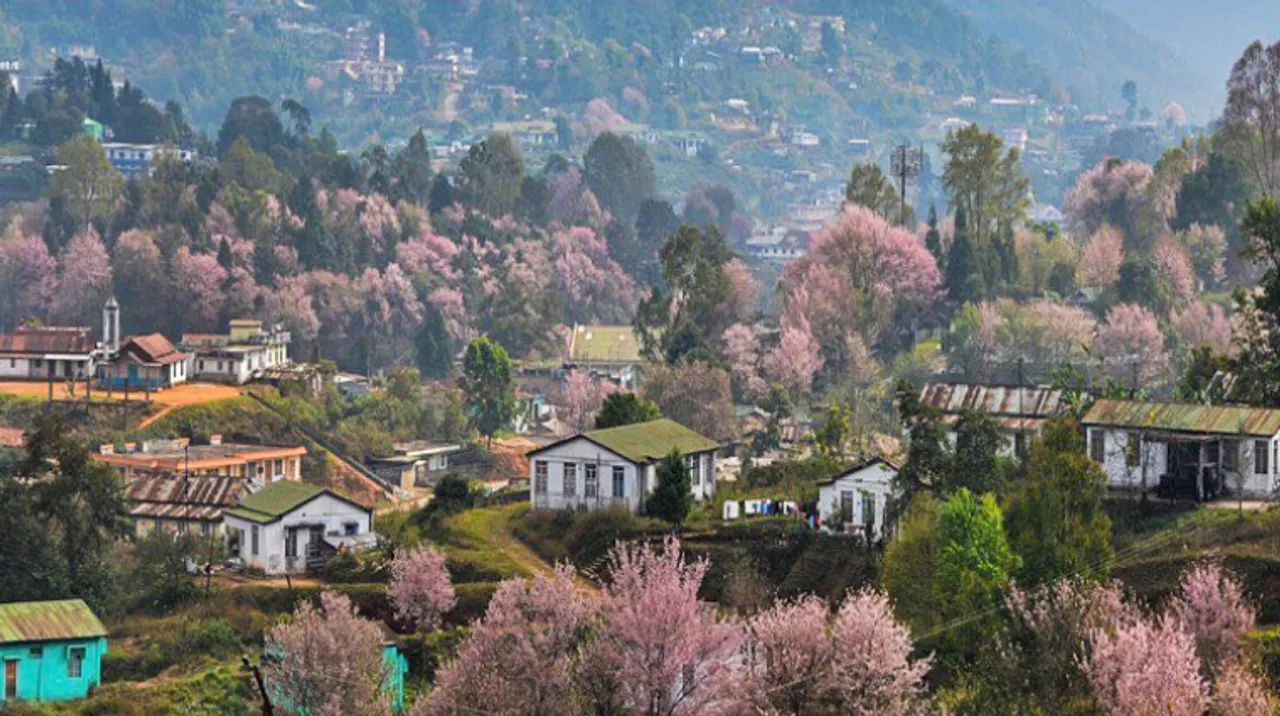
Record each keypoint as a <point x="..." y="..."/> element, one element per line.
<point x="185" y="394"/>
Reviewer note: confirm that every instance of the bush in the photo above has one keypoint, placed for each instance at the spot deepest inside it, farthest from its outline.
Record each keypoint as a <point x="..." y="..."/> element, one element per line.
<point x="352" y="568"/>
<point x="584" y="538"/>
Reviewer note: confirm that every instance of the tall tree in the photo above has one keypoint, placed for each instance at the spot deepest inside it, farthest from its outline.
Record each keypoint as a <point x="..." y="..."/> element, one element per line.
<point x="626" y="409"/>
<point x="985" y="181"/>
<point x="411" y="172"/>
<point x="620" y="174"/>
<point x="698" y="303"/>
<point x="88" y="184"/>
<point x="672" y="498"/>
<point x="487" y="383"/>
<point x="869" y="187"/>
<point x="492" y="173"/>
<point x="1252" y="114"/>
<point x="253" y="118"/>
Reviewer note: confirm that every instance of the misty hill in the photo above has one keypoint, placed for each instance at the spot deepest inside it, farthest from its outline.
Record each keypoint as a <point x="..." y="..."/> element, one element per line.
<point x="1209" y="35"/>
<point x="1093" y="51"/>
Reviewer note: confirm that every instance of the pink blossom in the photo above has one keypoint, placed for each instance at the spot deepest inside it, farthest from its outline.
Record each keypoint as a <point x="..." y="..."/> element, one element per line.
<point x="1210" y="605"/>
<point x="522" y="656"/>
<point x="635" y="98"/>
<point x="1239" y="692"/>
<point x="379" y="220"/>
<point x="745" y="291"/>
<point x="742" y="352"/>
<point x="198" y="284"/>
<point x="792" y="665"/>
<point x="420" y="588"/>
<point x="1098" y="191"/>
<point x="661" y="650"/>
<point x="798" y="356"/>
<point x="596" y="286"/>
<point x="290" y="304"/>
<point x="1130" y="340"/>
<point x="428" y="251"/>
<point x="581" y="398"/>
<point x="874" y="673"/>
<point x="1203" y="324"/>
<point x="1101" y="259"/>
<point x="84" y="279"/>
<point x="574" y="204"/>
<point x="448" y="302"/>
<point x="330" y="661"/>
<point x="600" y="117"/>
<point x="1146" y="667"/>
<point x="1173" y="265"/>
<point x="28" y="276"/>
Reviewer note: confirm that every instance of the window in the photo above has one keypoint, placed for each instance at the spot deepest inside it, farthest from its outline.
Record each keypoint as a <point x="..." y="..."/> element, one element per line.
<point x="350" y="528"/>
<point x="591" y="480"/>
<point x="36" y="652"/>
<point x="206" y="529"/>
<point x="75" y="662"/>
<point x="1097" y="445"/>
<point x="540" y="477"/>
<point x="619" y="481"/>
<point x="868" y="510"/>
<point x="570" y="479"/>
<point x="846" y="505"/>
<point x="1231" y="455"/>
<point x="1131" y="450"/>
<point x="1260" y="465"/>
<point x="253" y="546"/>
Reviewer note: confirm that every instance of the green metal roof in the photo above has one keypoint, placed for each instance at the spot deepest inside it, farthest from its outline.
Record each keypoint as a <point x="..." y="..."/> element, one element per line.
<point x="654" y="440"/>
<point x="1185" y="417"/>
<point x="274" y="501"/>
<point x="48" y="621"/>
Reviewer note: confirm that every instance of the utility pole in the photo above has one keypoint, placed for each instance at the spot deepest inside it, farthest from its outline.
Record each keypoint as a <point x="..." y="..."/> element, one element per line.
<point x="906" y="163"/>
<point x="262" y="687"/>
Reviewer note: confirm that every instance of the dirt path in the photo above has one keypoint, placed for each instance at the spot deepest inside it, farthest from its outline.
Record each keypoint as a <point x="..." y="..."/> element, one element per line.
<point x="185" y="394"/>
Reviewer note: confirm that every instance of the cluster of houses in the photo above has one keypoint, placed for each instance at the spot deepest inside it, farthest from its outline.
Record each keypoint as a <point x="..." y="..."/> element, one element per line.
<point x="140" y="363"/>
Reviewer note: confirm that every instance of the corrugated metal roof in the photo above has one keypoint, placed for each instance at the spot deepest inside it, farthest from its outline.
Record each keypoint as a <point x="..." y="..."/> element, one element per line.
<point x="195" y="490"/>
<point x="995" y="400"/>
<point x="1185" y="417"/>
<point x="48" y="621"/>
<point x="153" y="348"/>
<point x="41" y="340"/>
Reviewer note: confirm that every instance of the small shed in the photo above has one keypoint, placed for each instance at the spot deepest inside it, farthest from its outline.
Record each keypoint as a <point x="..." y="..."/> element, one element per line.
<point x="856" y="500"/>
<point x="50" y="651"/>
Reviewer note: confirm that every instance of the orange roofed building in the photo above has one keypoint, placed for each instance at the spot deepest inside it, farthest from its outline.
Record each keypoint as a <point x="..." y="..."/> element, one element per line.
<point x="261" y="464"/>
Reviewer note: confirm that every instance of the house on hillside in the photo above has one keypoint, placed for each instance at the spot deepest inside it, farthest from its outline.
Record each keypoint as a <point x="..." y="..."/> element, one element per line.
<point x="246" y="352"/>
<point x="182" y="504"/>
<point x="260" y="464"/>
<point x="137" y="160"/>
<point x="1185" y="449"/>
<point x="48" y="352"/>
<point x="50" y="651"/>
<point x="1020" y="411"/>
<point x="856" y="500"/>
<point x="144" y="363"/>
<point x="617" y="467"/>
<point x="415" y="462"/>
<point x="293" y="527"/>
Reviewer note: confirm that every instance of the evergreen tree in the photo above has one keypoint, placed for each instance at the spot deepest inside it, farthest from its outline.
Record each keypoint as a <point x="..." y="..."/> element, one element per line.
<point x="434" y="349"/>
<point x="673" y="497"/>
<point x="487" y="382"/>
<point x="441" y="194"/>
<point x="315" y="244"/>
<point x="933" y="238"/>
<point x="964" y="282"/>
<point x="626" y="409"/>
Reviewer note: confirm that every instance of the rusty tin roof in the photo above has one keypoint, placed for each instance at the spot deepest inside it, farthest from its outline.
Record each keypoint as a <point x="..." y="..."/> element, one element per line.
<point x="48" y="621"/>
<point x="198" y="497"/>
<point x="1185" y="417"/>
<point x="1032" y="401"/>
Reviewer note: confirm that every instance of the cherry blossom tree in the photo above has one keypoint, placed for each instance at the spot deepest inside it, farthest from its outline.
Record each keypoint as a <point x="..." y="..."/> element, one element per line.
<point x="1114" y="192"/>
<point x="741" y="351"/>
<point x="573" y="204"/>
<point x="522" y="655"/>
<point x="420" y="588"/>
<point x="84" y="279"/>
<point x="198" y="284"/>
<point x="450" y="303"/>
<point x="1100" y="261"/>
<point x="428" y="252"/>
<point x="581" y="399"/>
<point x="659" y="650"/>
<point x="597" y="288"/>
<point x="1146" y="666"/>
<point x="798" y="356"/>
<point x="600" y="117"/>
<point x="1173" y="266"/>
<point x="390" y="315"/>
<point x="1210" y="605"/>
<point x="792" y="664"/>
<point x="290" y="304"/>
<point x="1203" y="324"/>
<point x="744" y="289"/>
<point x="28" y="276"/>
<point x="1064" y="332"/>
<point x="874" y="673"/>
<point x="328" y="661"/>
<point x="1239" y="692"/>
<point x="1131" y="347"/>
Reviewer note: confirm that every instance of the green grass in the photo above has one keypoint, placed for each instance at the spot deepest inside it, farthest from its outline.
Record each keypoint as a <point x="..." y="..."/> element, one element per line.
<point x="479" y="547"/>
<point x="240" y="415"/>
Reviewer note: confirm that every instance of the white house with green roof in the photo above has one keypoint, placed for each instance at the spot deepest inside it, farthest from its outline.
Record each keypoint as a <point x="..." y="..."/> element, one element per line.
<point x="616" y="467"/>
<point x="286" y="524"/>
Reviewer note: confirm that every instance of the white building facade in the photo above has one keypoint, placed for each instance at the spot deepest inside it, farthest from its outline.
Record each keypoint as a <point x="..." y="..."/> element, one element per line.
<point x="1185" y="450"/>
<point x="278" y="536"/>
<point x="617" y="467"/>
<point x="856" y="501"/>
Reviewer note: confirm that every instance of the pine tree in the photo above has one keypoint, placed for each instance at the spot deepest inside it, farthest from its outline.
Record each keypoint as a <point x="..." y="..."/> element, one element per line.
<point x="964" y="284"/>
<point x="673" y="497"/>
<point x="933" y="238"/>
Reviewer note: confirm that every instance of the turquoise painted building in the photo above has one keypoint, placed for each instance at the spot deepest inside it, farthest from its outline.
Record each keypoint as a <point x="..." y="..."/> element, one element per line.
<point x="399" y="667"/>
<point x="49" y="651"/>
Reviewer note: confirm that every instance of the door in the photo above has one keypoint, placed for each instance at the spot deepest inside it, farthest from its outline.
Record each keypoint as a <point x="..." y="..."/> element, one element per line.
<point x="11" y="680"/>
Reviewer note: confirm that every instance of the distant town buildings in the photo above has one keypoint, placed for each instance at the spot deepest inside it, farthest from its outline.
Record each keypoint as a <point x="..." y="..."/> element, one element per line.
<point x="246" y="352"/>
<point x="137" y="160"/>
<point x="260" y="464"/>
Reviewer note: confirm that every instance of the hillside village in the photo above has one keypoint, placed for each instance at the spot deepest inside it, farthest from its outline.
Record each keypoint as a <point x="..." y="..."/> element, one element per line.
<point x="788" y="367"/>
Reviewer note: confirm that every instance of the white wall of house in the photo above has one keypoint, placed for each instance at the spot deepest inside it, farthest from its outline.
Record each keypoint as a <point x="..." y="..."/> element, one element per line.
<point x="1125" y="469"/>
<point x="552" y="486"/>
<point x="15" y="368"/>
<point x="336" y="517"/>
<point x="858" y="498"/>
